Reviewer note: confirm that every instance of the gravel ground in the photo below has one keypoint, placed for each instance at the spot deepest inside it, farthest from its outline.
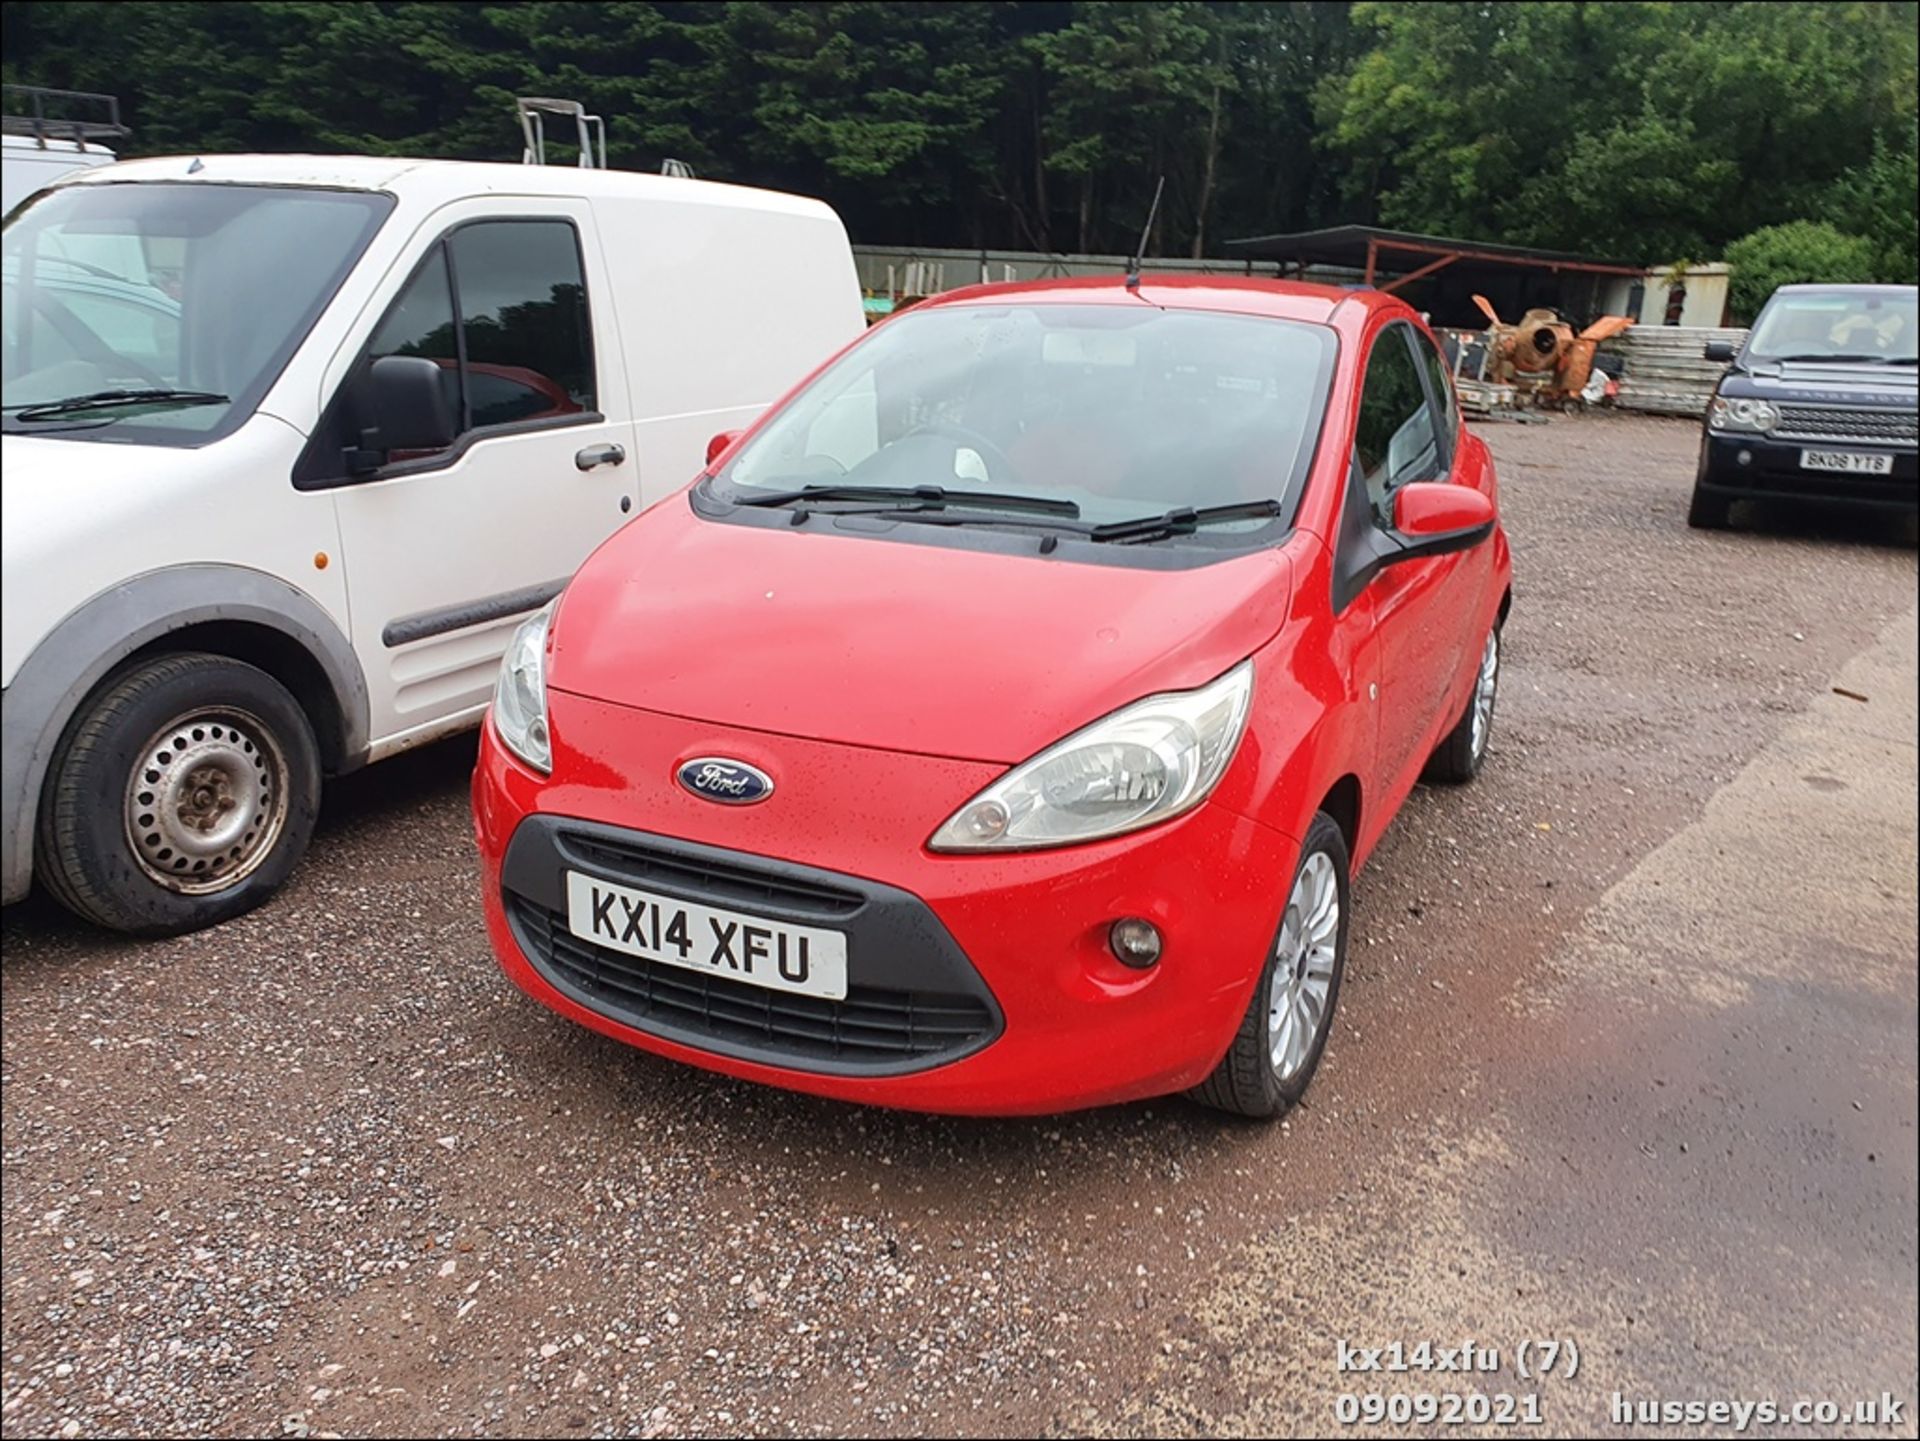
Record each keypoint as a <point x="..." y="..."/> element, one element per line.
<point x="322" y="1171"/>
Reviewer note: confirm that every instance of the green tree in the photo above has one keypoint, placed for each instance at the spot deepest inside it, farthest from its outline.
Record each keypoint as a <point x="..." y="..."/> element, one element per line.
<point x="1879" y="200"/>
<point x="1637" y="128"/>
<point x="1645" y="129"/>
<point x="1793" y="254"/>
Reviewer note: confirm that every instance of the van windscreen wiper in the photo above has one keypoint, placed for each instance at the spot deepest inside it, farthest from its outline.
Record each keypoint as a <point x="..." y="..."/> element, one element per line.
<point x="1183" y="521"/>
<point x="917" y="497"/>
<point x="108" y="399"/>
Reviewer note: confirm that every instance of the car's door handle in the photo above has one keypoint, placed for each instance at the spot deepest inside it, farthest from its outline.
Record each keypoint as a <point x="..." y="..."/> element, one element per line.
<point x="593" y="455"/>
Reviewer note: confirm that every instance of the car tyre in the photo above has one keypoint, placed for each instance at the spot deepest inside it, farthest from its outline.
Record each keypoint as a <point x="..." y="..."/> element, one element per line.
<point x="1709" y="511"/>
<point x="1269" y="1065"/>
<point x="183" y="794"/>
<point x="1458" y="758"/>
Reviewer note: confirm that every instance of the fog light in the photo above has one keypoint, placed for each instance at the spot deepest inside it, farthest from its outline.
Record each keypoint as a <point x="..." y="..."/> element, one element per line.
<point x="1135" y="943"/>
<point x="1745" y="457"/>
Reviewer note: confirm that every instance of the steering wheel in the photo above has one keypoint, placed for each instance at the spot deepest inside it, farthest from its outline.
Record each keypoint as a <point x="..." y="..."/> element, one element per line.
<point x="1000" y="468"/>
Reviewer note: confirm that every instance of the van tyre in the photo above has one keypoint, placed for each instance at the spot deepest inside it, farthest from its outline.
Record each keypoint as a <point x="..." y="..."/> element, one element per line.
<point x="1708" y="511"/>
<point x="1282" y="1036"/>
<point x="1458" y="758"/>
<point x="183" y="794"/>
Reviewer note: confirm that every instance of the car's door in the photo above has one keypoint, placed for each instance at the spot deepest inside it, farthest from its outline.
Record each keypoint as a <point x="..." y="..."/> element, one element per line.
<point x="1402" y="435"/>
<point x="447" y="550"/>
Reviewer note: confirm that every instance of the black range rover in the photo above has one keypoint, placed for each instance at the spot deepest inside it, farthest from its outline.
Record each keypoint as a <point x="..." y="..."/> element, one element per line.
<point x="1819" y="404"/>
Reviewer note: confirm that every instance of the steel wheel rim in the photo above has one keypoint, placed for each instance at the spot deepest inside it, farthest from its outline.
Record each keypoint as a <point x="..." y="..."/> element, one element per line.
<point x="1303" y="966"/>
<point x="206" y="801"/>
<point x="1484" y="687"/>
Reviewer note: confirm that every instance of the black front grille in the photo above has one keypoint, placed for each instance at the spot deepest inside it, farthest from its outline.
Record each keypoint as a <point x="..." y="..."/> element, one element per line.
<point x="1847" y="423"/>
<point x="714" y="881"/>
<point x="873" y="1029"/>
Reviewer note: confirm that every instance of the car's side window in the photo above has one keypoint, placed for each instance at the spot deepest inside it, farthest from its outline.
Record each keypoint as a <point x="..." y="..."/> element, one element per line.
<point x="1446" y="406"/>
<point x="501" y="307"/>
<point x="1396" y="440"/>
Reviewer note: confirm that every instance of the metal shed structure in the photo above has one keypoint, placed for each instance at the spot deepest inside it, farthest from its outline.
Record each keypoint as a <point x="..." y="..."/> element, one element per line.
<point x="1448" y="271"/>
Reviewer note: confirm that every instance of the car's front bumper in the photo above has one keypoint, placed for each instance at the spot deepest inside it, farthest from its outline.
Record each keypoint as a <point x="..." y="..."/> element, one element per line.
<point x="1002" y="960"/>
<point x="1761" y="466"/>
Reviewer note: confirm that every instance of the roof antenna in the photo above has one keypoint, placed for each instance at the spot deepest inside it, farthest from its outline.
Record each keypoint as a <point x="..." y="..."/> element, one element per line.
<point x="1139" y="253"/>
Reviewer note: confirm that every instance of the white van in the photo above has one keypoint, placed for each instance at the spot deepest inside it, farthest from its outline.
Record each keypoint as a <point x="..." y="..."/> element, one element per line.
<point x="293" y="443"/>
<point x="45" y="134"/>
<point x="27" y="165"/>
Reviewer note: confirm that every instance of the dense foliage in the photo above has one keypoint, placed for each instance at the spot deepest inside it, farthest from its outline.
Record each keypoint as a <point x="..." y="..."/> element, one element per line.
<point x="1791" y="254"/>
<point x="1643" y="130"/>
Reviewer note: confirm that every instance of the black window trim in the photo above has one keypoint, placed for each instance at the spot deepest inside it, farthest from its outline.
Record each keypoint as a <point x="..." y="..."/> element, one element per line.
<point x="315" y="466"/>
<point x="1427" y="355"/>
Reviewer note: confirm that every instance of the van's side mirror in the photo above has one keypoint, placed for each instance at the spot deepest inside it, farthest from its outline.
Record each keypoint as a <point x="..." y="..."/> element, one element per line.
<point x="717" y="447"/>
<point x="406" y="398"/>
<point x="1721" y="350"/>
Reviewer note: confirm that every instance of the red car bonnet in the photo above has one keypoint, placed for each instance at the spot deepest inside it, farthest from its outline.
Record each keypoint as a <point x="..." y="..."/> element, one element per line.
<point x="881" y="642"/>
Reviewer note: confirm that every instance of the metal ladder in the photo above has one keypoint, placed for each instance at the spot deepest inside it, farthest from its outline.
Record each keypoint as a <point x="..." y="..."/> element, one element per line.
<point x="533" y="111"/>
<point x="591" y="132"/>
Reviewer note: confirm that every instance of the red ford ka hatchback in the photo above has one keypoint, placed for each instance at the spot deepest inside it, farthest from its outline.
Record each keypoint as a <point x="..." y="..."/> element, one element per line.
<point x="996" y="727"/>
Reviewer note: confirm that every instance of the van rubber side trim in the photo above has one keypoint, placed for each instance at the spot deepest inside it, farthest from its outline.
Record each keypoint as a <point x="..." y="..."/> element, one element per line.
<point x="429" y="623"/>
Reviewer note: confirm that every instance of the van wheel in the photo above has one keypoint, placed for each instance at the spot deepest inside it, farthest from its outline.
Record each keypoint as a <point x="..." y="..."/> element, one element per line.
<point x="1278" y="1046"/>
<point x="183" y="795"/>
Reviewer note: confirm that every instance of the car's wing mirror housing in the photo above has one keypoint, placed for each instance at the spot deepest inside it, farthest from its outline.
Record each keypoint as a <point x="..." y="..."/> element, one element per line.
<point x="1720" y="350"/>
<point x="719" y="445"/>
<point x="1437" y="518"/>
<point x="406" y="399"/>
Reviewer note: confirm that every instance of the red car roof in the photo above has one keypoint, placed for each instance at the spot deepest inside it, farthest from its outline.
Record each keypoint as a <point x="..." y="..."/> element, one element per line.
<point x="1243" y="294"/>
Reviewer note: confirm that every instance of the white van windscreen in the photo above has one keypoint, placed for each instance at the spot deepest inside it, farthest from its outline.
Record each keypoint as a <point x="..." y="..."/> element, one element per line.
<point x="163" y="311"/>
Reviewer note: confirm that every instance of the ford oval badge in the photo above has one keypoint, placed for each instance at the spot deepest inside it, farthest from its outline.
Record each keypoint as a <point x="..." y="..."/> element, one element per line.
<point x="730" y="783"/>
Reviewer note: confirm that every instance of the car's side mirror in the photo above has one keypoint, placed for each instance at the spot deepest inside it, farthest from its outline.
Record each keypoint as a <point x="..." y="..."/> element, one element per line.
<point x="717" y="447"/>
<point x="406" y="399"/>
<point x="1721" y="350"/>
<point x="1436" y="518"/>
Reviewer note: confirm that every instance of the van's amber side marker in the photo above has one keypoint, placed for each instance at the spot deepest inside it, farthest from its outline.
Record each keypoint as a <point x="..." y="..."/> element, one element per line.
<point x="319" y="560"/>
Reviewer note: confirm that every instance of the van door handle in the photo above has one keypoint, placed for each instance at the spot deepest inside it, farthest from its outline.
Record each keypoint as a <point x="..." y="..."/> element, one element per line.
<point x="594" y="455"/>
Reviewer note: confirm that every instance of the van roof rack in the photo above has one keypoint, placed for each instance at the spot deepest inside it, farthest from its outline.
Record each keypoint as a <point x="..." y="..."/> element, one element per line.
<point x="533" y="111"/>
<point x="76" y="115"/>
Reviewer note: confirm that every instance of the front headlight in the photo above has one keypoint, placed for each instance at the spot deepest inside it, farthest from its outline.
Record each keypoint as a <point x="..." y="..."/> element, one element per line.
<point x="1741" y="413"/>
<point x="520" y="695"/>
<point x="1139" y="766"/>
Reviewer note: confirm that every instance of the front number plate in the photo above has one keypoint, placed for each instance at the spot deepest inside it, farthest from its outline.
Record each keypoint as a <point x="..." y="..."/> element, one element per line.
<point x="751" y="949"/>
<point x="1846" y="462"/>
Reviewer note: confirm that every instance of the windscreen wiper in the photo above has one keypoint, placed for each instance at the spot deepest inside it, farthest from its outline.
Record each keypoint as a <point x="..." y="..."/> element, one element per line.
<point x="1183" y="521"/>
<point x="108" y="399"/>
<point x="917" y="497"/>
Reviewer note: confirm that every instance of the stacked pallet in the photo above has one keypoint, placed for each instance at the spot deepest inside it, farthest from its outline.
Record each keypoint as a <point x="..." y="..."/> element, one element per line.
<point x="1664" y="369"/>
